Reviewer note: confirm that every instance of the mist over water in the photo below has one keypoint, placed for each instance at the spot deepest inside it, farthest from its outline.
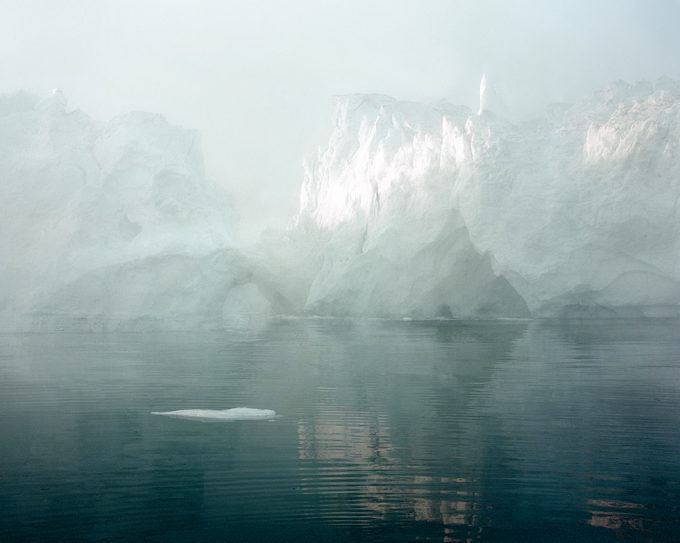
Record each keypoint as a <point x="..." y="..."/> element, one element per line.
<point x="340" y="271"/>
<point x="388" y="431"/>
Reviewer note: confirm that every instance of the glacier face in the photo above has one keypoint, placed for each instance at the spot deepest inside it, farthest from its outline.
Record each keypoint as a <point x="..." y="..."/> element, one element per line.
<point x="113" y="223"/>
<point x="426" y="211"/>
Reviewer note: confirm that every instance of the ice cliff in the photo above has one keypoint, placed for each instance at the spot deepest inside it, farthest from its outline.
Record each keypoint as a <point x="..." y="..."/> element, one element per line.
<point x="114" y="224"/>
<point x="410" y="210"/>
<point x="420" y="211"/>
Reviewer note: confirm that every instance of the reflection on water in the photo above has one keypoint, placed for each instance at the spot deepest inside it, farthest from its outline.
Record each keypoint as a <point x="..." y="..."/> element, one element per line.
<point x="445" y="431"/>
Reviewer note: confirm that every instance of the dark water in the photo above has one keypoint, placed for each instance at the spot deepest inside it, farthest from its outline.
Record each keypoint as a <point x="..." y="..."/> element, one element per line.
<point x="390" y="431"/>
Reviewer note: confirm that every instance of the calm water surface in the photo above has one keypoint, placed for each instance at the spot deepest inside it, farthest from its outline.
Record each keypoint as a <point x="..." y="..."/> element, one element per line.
<point x="404" y="431"/>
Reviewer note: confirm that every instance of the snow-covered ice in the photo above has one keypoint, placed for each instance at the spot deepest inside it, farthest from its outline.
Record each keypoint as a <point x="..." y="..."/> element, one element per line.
<point x="221" y="415"/>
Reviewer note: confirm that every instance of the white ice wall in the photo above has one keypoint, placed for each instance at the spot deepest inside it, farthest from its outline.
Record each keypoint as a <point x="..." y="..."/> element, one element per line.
<point x="431" y="210"/>
<point x="111" y="223"/>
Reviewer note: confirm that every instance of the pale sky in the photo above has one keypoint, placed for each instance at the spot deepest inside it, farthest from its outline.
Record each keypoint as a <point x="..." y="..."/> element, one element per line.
<point x="256" y="77"/>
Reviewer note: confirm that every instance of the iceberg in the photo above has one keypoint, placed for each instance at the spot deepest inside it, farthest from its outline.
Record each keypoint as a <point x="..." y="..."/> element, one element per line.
<point x="115" y="225"/>
<point x="424" y="211"/>
<point x="221" y="415"/>
<point x="410" y="211"/>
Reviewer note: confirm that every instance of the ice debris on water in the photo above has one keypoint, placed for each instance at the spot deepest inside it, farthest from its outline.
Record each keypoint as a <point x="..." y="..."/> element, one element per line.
<point x="221" y="415"/>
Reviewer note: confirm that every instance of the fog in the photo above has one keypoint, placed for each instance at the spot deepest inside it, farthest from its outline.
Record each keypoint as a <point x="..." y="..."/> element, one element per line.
<point x="256" y="78"/>
<point x="322" y="270"/>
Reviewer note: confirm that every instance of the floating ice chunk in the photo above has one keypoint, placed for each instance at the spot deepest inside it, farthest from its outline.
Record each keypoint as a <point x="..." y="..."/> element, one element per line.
<point x="206" y="415"/>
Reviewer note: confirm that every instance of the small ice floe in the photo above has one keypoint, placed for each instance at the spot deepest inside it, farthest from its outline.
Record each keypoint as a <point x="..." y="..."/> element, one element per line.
<point x="221" y="415"/>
